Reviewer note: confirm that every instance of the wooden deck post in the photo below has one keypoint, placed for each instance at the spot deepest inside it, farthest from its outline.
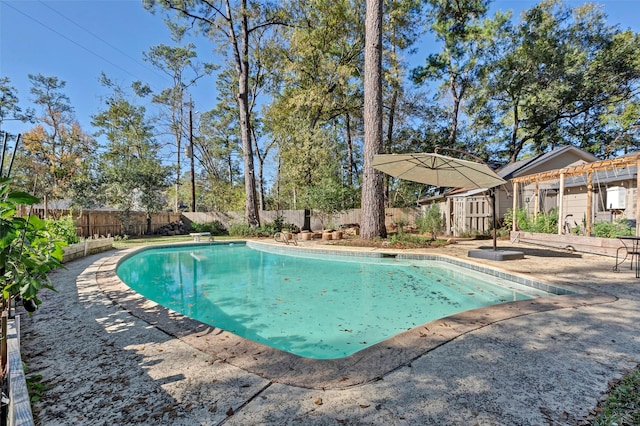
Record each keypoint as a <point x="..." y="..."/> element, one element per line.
<point x="448" y="224"/>
<point x="536" y="201"/>
<point x="514" y="225"/>
<point x="561" y="204"/>
<point x="589" y="216"/>
<point x="638" y="196"/>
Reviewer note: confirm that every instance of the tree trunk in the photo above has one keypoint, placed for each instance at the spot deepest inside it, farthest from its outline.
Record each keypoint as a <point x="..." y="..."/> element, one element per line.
<point x="455" y="111"/>
<point x="372" y="225"/>
<point x="260" y="182"/>
<point x="389" y="141"/>
<point x="350" y="160"/>
<point x="242" y="67"/>
<point x="514" y="148"/>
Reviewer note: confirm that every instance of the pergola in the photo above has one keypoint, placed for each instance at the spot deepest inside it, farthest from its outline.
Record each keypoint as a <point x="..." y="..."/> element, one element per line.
<point x="589" y="169"/>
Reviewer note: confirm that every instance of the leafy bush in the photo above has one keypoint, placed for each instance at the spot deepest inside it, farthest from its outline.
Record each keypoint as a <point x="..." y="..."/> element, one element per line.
<point x="408" y="240"/>
<point x="546" y="223"/>
<point x="265" y="230"/>
<point x="27" y="253"/>
<point x="430" y="221"/>
<point x="291" y="227"/>
<point x="63" y="229"/>
<point x="400" y="224"/>
<point x="215" y="228"/>
<point x="244" y="230"/>
<point x="619" y="228"/>
<point x="521" y="219"/>
<point x="240" y="230"/>
<point x="278" y="223"/>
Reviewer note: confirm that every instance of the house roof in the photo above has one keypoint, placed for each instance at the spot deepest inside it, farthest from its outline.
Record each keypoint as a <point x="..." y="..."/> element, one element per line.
<point x="524" y="167"/>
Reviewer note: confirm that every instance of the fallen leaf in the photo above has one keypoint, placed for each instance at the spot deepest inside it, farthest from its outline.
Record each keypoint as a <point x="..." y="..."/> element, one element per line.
<point x="318" y="401"/>
<point x="230" y="412"/>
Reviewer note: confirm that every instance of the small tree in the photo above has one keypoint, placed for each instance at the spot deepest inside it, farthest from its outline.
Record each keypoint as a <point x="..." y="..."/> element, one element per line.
<point x="329" y="197"/>
<point x="430" y="221"/>
<point x="131" y="172"/>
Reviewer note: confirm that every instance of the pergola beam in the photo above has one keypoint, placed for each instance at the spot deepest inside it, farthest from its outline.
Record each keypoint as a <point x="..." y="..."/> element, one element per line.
<point x="582" y="169"/>
<point x="588" y="169"/>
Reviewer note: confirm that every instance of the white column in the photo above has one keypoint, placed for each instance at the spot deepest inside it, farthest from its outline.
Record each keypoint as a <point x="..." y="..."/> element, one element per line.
<point x="514" y="226"/>
<point x="561" y="204"/>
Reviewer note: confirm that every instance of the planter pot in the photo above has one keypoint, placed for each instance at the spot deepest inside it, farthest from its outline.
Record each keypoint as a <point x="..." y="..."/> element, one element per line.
<point x="306" y="236"/>
<point x="327" y="236"/>
<point x="337" y="235"/>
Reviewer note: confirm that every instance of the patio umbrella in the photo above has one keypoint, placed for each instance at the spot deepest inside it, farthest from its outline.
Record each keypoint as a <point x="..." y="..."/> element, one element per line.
<point x="441" y="170"/>
<point x="438" y="170"/>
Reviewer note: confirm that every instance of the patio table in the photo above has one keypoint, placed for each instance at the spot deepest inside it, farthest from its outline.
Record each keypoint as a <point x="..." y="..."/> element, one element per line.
<point x="631" y="247"/>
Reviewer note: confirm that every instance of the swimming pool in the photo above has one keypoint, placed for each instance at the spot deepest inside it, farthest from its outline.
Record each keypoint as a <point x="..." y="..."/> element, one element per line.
<point x="314" y="306"/>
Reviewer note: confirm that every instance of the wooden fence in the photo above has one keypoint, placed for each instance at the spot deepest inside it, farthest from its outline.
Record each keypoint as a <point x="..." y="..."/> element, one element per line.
<point x="393" y="217"/>
<point x="104" y="223"/>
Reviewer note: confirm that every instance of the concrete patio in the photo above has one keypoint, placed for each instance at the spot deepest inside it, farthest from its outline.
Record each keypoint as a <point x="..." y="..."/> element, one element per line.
<point x="107" y="365"/>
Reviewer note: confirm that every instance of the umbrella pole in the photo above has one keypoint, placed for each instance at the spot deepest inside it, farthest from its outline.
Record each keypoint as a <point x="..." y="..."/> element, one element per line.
<point x="495" y="221"/>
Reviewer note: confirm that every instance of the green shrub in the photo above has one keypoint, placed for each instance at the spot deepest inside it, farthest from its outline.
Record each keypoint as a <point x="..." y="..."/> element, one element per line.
<point x="244" y="230"/>
<point x="215" y="228"/>
<point x="63" y="229"/>
<point x="430" y="221"/>
<point x="400" y="224"/>
<point x="265" y="230"/>
<point x="409" y="240"/>
<point x="278" y="223"/>
<point x="521" y="219"/>
<point x="27" y="253"/>
<point x="240" y="230"/>
<point x="619" y="228"/>
<point x="546" y="223"/>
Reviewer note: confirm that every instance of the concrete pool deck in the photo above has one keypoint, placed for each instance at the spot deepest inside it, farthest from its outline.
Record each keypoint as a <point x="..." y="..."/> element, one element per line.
<point x="113" y="358"/>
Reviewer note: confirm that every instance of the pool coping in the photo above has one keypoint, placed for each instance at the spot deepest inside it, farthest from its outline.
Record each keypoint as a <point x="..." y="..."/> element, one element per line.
<point x="368" y="365"/>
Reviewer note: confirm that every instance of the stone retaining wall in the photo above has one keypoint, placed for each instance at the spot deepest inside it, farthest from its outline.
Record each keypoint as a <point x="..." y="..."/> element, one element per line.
<point x="76" y="251"/>
<point x="19" y="410"/>
<point x="581" y="243"/>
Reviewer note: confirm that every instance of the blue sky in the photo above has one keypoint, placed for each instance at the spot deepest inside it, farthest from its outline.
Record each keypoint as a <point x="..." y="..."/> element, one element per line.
<point x="76" y="40"/>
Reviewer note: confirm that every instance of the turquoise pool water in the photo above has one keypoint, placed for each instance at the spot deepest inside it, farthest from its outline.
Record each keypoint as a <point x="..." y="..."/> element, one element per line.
<point x="318" y="307"/>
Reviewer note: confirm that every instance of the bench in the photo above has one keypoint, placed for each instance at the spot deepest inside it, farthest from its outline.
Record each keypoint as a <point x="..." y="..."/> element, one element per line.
<point x="196" y="236"/>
